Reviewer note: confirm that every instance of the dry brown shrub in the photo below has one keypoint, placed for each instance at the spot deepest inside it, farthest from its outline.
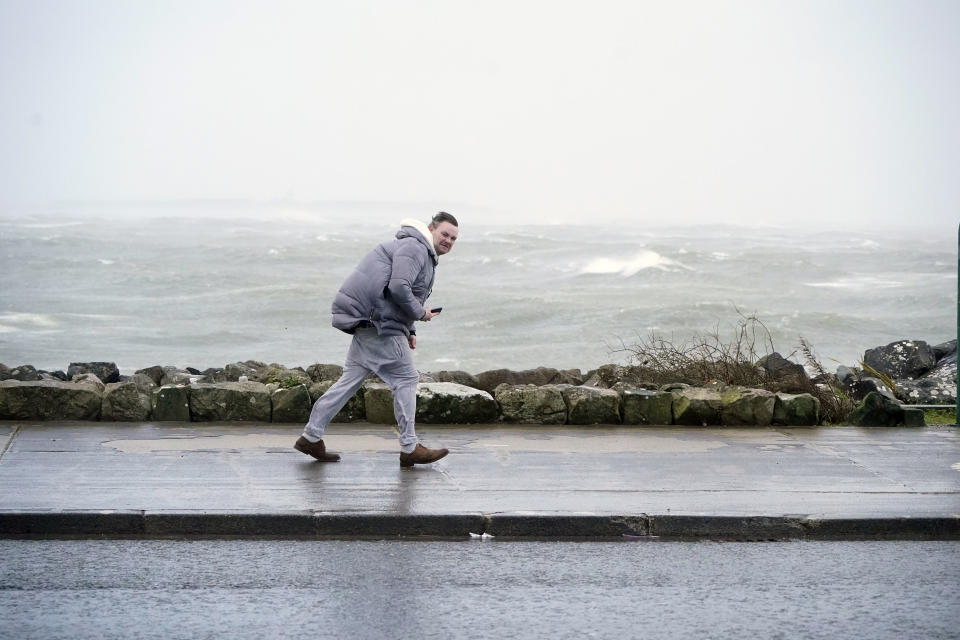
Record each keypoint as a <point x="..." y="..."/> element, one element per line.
<point x="711" y="358"/>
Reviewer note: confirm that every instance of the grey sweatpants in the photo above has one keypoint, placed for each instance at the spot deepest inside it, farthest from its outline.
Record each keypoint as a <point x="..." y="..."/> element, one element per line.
<point x="390" y="358"/>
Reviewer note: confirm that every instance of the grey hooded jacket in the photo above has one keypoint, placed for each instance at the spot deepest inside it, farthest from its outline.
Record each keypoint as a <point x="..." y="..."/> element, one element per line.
<point x="390" y="285"/>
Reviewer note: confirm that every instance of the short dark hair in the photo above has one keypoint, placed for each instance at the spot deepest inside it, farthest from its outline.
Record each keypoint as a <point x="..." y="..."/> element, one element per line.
<point x="443" y="216"/>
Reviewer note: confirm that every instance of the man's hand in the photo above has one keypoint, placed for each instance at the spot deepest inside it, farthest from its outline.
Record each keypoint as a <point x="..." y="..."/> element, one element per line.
<point x="412" y="341"/>
<point x="428" y="314"/>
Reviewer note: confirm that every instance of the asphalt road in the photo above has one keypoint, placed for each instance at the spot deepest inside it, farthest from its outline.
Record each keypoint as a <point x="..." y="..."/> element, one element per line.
<point x="477" y="589"/>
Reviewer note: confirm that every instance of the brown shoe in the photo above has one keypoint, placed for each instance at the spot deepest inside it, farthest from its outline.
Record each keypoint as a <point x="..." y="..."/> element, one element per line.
<point x="316" y="449"/>
<point x="421" y="455"/>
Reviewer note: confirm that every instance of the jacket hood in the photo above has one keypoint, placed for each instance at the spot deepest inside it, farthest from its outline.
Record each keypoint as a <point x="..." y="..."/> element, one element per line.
<point x="413" y="228"/>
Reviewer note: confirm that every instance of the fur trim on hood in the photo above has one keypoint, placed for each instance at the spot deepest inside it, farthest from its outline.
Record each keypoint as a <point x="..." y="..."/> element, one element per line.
<point x="425" y="232"/>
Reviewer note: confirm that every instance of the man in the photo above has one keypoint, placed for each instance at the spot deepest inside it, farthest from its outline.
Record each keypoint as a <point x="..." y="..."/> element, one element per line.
<point x="378" y="304"/>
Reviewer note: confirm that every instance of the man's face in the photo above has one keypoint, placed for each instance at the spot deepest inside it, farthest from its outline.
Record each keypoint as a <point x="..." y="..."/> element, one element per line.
<point x="444" y="235"/>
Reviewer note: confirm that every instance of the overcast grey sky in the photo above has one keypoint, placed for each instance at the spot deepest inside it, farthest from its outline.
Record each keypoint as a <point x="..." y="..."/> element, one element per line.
<point x="739" y="111"/>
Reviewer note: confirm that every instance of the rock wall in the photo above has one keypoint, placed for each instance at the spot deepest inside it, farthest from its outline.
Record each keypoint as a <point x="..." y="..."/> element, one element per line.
<point x="613" y="394"/>
<point x="437" y="403"/>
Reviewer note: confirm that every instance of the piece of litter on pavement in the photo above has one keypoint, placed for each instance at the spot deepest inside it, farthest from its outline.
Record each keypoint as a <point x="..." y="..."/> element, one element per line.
<point x="480" y="536"/>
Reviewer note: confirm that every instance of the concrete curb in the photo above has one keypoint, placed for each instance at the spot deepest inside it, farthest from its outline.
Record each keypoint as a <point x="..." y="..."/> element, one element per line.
<point x="320" y="524"/>
<point x="727" y="527"/>
<point x="524" y="525"/>
<point x="935" y="528"/>
<point x="71" y="523"/>
<point x="228" y="524"/>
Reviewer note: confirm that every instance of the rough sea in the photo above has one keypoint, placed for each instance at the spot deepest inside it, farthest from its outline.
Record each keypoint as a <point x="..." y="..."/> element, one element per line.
<point x="203" y="291"/>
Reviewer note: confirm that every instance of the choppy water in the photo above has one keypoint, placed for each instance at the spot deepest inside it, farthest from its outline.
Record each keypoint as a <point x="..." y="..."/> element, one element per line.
<point x="196" y="291"/>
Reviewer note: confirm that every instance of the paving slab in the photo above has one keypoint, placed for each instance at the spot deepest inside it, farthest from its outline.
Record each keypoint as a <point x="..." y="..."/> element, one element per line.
<point x="560" y="481"/>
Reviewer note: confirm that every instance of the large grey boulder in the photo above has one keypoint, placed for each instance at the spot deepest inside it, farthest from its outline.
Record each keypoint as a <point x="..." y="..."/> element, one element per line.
<point x="23" y="373"/>
<point x="230" y="402"/>
<point x="796" y="410"/>
<point x="490" y="380"/>
<point x="215" y="375"/>
<point x="125" y="402"/>
<point x="452" y="403"/>
<point x="171" y="403"/>
<point x="155" y="373"/>
<point x="106" y="371"/>
<point x="696" y="406"/>
<point x="879" y="411"/>
<point x="609" y="376"/>
<point x="144" y="382"/>
<point x="591" y="405"/>
<point x="530" y="404"/>
<point x="914" y="417"/>
<point x="642" y="406"/>
<point x="354" y="410"/>
<point x="902" y="359"/>
<point x="928" y="390"/>
<point x="922" y="374"/>
<point x="176" y="376"/>
<point x="937" y="386"/>
<point x="252" y="370"/>
<point x="88" y="378"/>
<point x="779" y="368"/>
<point x="231" y="373"/>
<point x="750" y="407"/>
<point x="378" y="403"/>
<point x="49" y="400"/>
<point x="210" y="374"/>
<point x="324" y="372"/>
<point x="945" y="349"/>
<point x="860" y="385"/>
<point x="291" y="404"/>
<point x="460" y="377"/>
<point x="29" y="373"/>
<point x="278" y="374"/>
<point x="437" y="403"/>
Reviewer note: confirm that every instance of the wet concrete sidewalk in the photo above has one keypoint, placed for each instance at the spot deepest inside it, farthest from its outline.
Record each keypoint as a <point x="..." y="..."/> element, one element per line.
<point x="167" y="479"/>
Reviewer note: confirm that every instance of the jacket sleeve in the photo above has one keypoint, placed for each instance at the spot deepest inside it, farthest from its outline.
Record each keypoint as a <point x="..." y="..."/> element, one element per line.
<point x="408" y="262"/>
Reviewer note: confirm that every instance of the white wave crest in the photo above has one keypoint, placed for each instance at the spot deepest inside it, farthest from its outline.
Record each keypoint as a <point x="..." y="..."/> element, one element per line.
<point x="27" y="320"/>
<point x="48" y="225"/>
<point x="634" y="265"/>
<point x="856" y="283"/>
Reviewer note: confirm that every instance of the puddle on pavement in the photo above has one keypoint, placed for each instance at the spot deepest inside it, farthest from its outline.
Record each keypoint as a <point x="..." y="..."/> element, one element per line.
<point x="249" y="441"/>
<point x="608" y="443"/>
<point x="499" y="443"/>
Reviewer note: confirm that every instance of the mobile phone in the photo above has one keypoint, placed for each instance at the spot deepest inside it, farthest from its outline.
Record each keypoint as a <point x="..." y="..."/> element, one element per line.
<point x="436" y="310"/>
